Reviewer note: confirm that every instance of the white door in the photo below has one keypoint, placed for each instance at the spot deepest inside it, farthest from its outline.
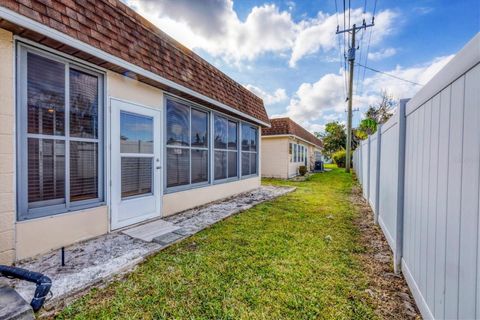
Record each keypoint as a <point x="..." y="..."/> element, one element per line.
<point x="136" y="166"/>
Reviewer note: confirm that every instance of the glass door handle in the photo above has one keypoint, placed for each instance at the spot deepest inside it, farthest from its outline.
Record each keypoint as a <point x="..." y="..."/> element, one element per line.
<point x="159" y="167"/>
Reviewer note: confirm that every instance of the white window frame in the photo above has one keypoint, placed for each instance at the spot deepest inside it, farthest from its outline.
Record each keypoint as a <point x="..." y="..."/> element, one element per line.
<point x="53" y="207"/>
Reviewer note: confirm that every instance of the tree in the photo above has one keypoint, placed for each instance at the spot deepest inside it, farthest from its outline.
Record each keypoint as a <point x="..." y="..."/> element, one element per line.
<point x="335" y="138"/>
<point x="367" y="127"/>
<point x="376" y="114"/>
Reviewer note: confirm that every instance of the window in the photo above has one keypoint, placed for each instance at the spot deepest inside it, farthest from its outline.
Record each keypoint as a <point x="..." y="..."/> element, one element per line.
<point x="59" y="135"/>
<point x="249" y="150"/>
<point x="226" y="148"/>
<point x="295" y="147"/>
<point x="137" y="154"/>
<point x="187" y="145"/>
<point x="290" y="151"/>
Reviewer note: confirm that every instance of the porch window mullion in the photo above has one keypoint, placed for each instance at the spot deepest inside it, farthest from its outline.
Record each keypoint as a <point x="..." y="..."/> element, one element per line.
<point x="67" y="136"/>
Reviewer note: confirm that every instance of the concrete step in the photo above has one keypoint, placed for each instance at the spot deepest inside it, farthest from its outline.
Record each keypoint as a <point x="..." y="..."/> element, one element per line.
<point x="13" y="306"/>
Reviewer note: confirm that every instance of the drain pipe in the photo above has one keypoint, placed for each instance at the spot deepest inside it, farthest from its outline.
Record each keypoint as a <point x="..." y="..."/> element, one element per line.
<point x="43" y="283"/>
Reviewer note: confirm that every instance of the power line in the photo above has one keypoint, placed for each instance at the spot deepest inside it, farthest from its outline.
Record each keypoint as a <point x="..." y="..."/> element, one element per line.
<point x="343" y="62"/>
<point x="369" y="41"/>
<point x="388" y="74"/>
<point x="361" y="48"/>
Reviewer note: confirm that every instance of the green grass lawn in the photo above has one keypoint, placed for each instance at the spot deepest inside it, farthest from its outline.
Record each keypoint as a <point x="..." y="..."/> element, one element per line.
<point x="293" y="257"/>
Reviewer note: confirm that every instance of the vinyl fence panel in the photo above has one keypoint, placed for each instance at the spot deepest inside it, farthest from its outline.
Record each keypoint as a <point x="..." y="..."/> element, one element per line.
<point x="365" y="167"/>
<point x="372" y="192"/>
<point x="388" y="179"/>
<point x="428" y="189"/>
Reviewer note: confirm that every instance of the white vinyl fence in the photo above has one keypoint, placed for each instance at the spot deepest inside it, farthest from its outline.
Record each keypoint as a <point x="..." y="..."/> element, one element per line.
<point x="421" y="175"/>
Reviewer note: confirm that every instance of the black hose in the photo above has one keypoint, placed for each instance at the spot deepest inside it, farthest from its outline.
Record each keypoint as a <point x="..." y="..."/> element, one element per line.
<point x="43" y="283"/>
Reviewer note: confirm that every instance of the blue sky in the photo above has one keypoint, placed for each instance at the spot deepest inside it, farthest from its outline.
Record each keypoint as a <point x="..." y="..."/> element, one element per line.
<point x="287" y="51"/>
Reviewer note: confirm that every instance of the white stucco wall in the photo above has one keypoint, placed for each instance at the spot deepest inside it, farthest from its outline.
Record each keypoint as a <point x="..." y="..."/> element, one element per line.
<point x="49" y="233"/>
<point x="184" y="200"/>
<point x="293" y="166"/>
<point x="275" y="157"/>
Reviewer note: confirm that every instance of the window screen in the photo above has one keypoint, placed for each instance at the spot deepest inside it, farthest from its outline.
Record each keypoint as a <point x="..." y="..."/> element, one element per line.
<point x="187" y="145"/>
<point x="249" y="150"/>
<point x="226" y="148"/>
<point x="62" y="170"/>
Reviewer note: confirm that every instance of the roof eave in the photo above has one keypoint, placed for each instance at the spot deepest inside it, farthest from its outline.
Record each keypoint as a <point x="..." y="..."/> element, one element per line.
<point x="47" y="31"/>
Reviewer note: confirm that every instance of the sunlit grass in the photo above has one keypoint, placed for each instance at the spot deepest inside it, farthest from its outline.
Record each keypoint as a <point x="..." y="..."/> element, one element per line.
<point x="293" y="257"/>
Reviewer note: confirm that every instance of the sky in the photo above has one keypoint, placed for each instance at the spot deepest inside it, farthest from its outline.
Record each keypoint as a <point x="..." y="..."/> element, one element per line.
<point x="288" y="53"/>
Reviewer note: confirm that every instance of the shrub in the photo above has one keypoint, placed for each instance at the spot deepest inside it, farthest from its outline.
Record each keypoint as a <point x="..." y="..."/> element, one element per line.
<point x="302" y="170"/>
<point x="339" y="158"/>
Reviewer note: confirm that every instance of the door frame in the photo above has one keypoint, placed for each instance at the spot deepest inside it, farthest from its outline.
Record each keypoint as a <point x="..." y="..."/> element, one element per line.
<point x="158" y="133"/>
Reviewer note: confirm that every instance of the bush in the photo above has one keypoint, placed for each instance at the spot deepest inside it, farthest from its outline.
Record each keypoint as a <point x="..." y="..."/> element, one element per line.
<point x="302" y="170"/>
<point x="339" y="158"/>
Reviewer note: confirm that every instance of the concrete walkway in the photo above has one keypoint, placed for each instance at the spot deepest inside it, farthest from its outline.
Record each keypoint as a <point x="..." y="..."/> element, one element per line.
<point x="96" y="261"/>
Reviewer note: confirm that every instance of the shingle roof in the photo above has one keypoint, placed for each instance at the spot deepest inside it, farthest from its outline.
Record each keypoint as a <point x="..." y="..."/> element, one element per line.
<point x="115" y="28"/>
<point x="281" y="126"/>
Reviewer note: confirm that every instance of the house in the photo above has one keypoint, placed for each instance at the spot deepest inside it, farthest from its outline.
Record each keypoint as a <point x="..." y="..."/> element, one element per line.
<point x="106" y="122"/>
<point x="285" y="147"/>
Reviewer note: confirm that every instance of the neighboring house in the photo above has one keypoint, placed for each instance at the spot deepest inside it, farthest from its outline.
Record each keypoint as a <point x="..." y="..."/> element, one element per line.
<point x="105" y="122"/>
<point x="285" y="147"/>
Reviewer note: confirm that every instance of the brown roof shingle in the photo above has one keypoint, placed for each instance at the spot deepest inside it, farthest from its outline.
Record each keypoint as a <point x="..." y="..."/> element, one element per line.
<point x="115" y="28"/>
<point x="280" y="126"/>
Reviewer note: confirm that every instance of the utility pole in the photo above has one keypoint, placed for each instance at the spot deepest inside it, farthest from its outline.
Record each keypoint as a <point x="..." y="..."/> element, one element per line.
<point x="351" y="61"/>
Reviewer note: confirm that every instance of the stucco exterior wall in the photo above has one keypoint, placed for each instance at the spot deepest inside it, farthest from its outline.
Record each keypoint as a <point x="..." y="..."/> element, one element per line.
<point x="44" y="234"/>
<point x="275" y="157"/>
<point x="293" y="166"/>
<point x="184" y="200"/>
<point x="124" y="88"/>
<point x="311" y="157"/>
<point x="24" y="239"/>
<point x="7" y="149"/>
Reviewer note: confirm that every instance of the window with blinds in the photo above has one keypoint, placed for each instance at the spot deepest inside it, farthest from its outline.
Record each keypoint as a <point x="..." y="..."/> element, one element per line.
<point x="187" y="145"/>
<point x="249" y="150"/>
<point x="226" y="148"/>
<point x="59" y="134"/>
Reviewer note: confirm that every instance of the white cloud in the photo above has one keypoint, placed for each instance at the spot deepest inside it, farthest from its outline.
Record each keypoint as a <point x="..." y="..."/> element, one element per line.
<point x="400" y="89"/>
<point x="214" y="26"/>
<point x="333" y="117"/>
<point x="319" y="33"/>
<point x="314" y="102"/>
<point x="277" y="96"/>
<point x="381" y="54"/>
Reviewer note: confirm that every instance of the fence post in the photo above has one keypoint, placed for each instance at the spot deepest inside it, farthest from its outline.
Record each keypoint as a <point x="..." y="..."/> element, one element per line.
<point x="377" y="176"/>
<point x="368" y="171"/>
<point x="402" y="117"/>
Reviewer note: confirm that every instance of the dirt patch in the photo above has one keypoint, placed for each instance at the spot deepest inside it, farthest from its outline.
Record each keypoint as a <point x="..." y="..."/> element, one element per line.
<point x="389" y="291"/>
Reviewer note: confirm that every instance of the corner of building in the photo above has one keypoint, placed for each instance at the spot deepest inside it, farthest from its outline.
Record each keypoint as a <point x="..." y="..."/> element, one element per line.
<point x="7" y="149"/>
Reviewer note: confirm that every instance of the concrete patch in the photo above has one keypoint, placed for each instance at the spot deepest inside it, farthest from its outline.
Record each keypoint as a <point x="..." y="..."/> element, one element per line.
<point x="150" y="230"/>
<point x="168" y="238"/>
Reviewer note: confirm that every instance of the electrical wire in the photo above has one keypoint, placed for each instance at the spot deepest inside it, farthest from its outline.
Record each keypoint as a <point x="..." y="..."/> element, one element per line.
<point x="388" y="74"/>
<point x="369" y="41"/>
<point x="342" y="56"/>
<point x="361" y="51"/>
